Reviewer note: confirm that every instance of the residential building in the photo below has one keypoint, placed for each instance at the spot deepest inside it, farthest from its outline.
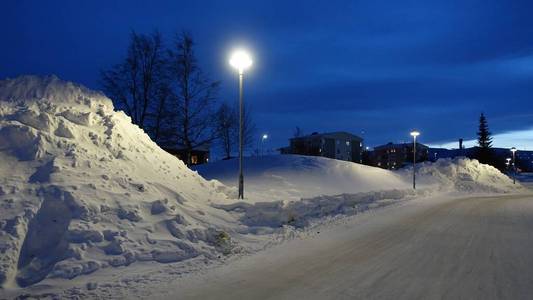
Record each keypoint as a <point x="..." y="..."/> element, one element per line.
<point x="199" y="155"/>
<point x="394" y="156"/>
<point x="338" y="145"/>
<point x="524" y="160"/>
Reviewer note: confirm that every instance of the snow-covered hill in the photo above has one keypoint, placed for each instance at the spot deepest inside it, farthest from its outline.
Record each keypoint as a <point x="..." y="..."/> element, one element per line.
<point x="82" y="188"/>
<point x="295" y="189"/>
<point x="292" y="177"/>
<point x="462" y="175"/>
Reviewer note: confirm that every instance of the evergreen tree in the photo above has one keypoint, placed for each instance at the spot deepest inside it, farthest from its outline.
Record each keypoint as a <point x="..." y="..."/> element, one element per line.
<point x="484" y="141"/>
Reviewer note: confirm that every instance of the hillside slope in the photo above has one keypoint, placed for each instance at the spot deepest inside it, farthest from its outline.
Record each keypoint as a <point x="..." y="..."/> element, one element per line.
<point x="82" y="188"/>
<point x="292" y="177"/>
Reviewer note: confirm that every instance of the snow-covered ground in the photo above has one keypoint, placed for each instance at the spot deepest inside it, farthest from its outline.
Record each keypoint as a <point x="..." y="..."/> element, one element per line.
<point x="86" y="195"/>
<point x="525" y="179"/>
<point x="292" y="177"/>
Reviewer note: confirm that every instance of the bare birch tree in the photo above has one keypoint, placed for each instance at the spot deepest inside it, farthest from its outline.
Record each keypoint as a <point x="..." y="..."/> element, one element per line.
<point x="138" y="84"/>
<point x="195" y="97"/>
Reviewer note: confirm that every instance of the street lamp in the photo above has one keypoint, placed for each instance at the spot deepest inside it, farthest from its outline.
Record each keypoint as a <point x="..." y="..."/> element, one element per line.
<point x="263" y="138"/>
<point x="240" y="60"/>
<point x="414" y="134"/>
<point x="507" y="163"/>
<point x="513" y="150"/>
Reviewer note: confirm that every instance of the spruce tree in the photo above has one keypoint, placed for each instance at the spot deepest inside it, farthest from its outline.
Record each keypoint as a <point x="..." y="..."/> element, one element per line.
<point x="484" y="141"/>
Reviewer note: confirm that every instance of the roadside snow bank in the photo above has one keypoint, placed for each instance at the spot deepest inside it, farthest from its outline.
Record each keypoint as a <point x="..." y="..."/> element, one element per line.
<point x="295" y="190"/>
<point x="82" y="188"/>
<point x="462" y="175"/>
<point x="292" y="177"/>
<point x="262" y="217"/>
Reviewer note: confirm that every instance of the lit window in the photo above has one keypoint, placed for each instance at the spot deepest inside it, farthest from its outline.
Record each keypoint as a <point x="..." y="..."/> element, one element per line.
<point x="194" y="159"/>
<point x="347" y="143"/>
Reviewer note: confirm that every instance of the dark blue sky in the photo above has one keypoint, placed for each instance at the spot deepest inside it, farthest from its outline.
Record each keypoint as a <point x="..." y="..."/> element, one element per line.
<point x="382" y="67"/>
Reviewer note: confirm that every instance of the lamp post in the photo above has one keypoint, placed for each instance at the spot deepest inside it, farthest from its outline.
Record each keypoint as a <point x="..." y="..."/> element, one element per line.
<point x="414" y="134"/>
<point x="513" y="150"/>
<point x="263" y="138"/>
<point x="240" y="60"/>
<point x="507" y="163"/>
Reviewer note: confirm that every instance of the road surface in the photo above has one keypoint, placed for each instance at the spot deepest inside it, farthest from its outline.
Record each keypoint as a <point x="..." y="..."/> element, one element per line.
<point x="469" y="248"/>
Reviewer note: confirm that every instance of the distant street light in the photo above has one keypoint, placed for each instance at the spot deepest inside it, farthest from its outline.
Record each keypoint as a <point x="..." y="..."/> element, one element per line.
<point x="414" y="134"/>
<point x="263" y="138"/>
<point x="507" y="163"/>
<point x="240" y="60"/>
<point x="513" y="150"/>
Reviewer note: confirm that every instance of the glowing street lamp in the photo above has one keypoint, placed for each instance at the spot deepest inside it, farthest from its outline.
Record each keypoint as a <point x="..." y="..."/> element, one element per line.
<point x="241" y="61"/>
<point x="263" y="138"/>
<point x="414" y="134"/>
<point x="513" y="150"/>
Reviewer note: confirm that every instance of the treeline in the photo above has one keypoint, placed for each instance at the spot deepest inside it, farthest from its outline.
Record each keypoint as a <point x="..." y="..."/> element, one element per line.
<point x="164" y="91"/>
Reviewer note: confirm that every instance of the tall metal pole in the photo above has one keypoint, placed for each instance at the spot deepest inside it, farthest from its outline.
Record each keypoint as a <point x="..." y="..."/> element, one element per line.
<point x="241" y="133"/>
<point x="414" y="162"/>
<point x="514" y="168"/>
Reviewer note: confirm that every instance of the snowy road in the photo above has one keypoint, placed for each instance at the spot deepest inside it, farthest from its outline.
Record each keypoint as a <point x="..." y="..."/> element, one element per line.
<point x="469" y="248"/>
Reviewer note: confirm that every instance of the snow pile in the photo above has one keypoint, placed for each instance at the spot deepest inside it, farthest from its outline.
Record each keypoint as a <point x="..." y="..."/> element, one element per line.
<point x="295" y="190"/>
<point x="262" y="217"/>
<point x="462" y="175"/>
<point x="292" y="177"/>
<point x="82" y="188"/>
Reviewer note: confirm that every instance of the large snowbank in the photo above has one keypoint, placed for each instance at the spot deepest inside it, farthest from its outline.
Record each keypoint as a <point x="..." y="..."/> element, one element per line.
<point x="463" y="175"/>
<point x="295" y="190"/>
<point x="82" y="188"/>
<point x="265" y="216"/>
<point x="292" y="177"/>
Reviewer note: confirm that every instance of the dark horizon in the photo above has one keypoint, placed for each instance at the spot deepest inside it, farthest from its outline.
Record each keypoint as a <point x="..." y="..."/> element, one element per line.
<point x="382" y="68"/>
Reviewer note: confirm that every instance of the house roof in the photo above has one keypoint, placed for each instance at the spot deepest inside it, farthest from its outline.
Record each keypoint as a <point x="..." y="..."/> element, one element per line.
<point x="399" y="145"/>
<point x="203" y="148"/>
